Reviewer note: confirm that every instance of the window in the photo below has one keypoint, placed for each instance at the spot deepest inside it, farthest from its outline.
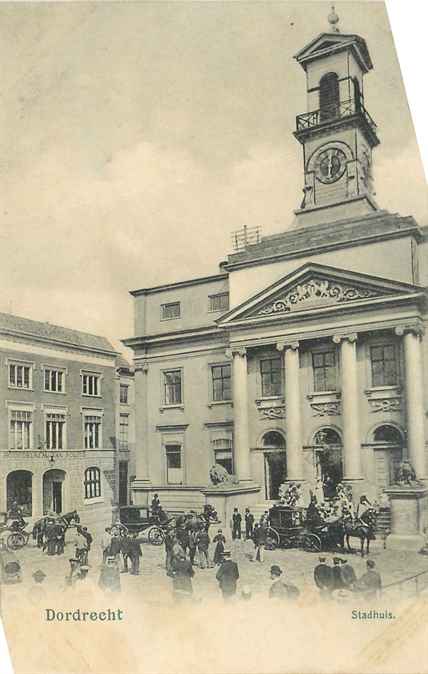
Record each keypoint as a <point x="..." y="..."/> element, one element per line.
<point x="384" y="365"/>
<point x="172" y="387"/>
<point x="270" y="370"/>
<point x="124" y="394"/>
<point x="324" y="367"/>
<point x="20" y="375"/>
<point x="92" y="431"/>
<point x="223" y="453"/>
<point x="91" y="384"/>
<point x="92" y="483"/>
<point x="221" y="382"/>
<point x="123" y="431"/>
<point x="219" y="302"/>
<point x="329" y="97"/>
<point x="169" y="311"/>
<point x="20" y="429"/>
<point x="174" y="471"/>
<point x="55" y="430"/>
<point x="54" y="380"/>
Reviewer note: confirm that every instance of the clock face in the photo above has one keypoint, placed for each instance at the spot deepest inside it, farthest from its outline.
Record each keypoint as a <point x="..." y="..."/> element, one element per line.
<point x="330" y="165"/>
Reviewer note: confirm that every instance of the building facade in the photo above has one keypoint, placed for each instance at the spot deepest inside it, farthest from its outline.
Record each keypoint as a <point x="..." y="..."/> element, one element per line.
<point x="125" y="435"/>
<point x="58" y="427"/>
<point x="305" y="357"/>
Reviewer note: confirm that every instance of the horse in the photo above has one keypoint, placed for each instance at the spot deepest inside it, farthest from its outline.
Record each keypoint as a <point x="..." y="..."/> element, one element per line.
<point x="69" y="519"/>
<point x="363" y="528"/>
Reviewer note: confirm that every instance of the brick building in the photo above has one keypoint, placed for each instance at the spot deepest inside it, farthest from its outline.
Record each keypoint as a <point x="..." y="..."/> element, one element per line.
<point x="303" y="357"/>
<point x="58" y="391"/>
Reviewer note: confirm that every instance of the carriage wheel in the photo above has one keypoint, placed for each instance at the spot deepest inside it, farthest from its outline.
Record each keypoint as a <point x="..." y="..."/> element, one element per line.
<point x="156" y="536"/>
<point x="16" y="541"/>
<point x="272" y="539"/>
<point x="311" y="543"/>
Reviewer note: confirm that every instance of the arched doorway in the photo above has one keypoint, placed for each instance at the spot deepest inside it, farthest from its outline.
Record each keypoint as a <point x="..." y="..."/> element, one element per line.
<point x="328" y="459"/>
<point x="329" y="97"/>
<point x="275" y="463"/>
<point x="388" y="442"/>
<point x="53" y="491"/>
<point x="19" y="487"/>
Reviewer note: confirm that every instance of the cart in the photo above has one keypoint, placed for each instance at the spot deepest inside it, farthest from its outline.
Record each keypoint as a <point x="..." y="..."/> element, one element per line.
<point x="287" y="529"/>
<point x="137" y="519"/>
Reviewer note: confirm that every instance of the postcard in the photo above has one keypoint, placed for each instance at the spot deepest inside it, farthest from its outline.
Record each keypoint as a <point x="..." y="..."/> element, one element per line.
<point x="213" y="344"/>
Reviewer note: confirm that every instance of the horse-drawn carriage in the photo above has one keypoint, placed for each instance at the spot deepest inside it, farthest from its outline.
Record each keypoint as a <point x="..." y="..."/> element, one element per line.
<point x="297" y="527"/>
<point x="287" y="529"/>
<point x="137" y="519"/>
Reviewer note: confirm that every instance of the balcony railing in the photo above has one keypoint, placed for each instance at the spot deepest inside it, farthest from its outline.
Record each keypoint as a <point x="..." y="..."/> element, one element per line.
<point x="309" y="120"/>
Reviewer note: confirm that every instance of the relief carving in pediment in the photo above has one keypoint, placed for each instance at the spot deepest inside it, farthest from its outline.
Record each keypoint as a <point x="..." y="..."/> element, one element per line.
<point x="316" y="292"/>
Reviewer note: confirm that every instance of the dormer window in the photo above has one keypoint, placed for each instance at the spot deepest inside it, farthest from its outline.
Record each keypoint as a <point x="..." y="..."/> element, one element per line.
<point x="329" y="97"/>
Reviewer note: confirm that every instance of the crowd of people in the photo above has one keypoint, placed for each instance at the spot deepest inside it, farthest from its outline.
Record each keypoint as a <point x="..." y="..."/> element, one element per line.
<point x="189" y="544"/>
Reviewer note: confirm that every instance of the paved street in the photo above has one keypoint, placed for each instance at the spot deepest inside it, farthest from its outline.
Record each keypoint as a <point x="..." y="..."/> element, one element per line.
<point x="154" y="585"/>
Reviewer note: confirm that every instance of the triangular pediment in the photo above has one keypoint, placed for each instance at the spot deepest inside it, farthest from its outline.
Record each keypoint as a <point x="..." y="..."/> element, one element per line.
<point x="326" y="42"/>
<point x="314" y="287"/>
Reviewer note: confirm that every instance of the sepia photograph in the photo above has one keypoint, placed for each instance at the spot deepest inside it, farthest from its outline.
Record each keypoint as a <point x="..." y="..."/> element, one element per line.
<point x="213" y="343"/>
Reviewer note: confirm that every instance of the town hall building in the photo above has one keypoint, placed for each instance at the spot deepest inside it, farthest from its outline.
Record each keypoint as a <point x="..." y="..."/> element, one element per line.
<point x="305" y="357"/>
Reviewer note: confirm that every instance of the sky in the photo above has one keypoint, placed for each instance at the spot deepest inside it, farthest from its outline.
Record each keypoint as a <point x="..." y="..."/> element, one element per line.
<point x="136" y="137"/>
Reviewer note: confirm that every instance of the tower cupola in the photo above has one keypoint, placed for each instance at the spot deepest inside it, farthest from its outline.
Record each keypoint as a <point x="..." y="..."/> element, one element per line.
<point x="337" y="133"/>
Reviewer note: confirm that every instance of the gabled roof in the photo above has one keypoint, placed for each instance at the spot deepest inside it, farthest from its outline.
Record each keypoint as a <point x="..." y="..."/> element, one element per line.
<point x="47" y="332"/>
<point x="315" y="287"/>
<point x="326" y="43"/>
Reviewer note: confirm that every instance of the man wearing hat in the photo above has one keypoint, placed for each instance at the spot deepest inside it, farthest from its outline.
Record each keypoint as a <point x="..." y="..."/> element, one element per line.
<point x="370" y="583"/>
<point x="110" y="575"/>
<point x="323" y="577"/>
<point x="227" y="576"/>
<point x="279" y="589"/>
<point x="249" y="524"/>
<point x="347" y="573"/>
<point x="338" y="583"/>
<point x="182" y="574"/>
<point x="236" y="524"/>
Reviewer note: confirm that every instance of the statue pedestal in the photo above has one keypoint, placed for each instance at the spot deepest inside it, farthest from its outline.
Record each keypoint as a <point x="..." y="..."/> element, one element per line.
<point x="408" y="509"/>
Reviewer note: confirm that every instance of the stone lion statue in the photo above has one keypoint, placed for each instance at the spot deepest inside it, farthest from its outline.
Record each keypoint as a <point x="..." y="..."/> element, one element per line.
<point x="219" y="474"/>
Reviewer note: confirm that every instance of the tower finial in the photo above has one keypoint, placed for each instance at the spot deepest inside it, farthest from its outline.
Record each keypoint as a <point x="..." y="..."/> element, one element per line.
<point x="333" y="20"/>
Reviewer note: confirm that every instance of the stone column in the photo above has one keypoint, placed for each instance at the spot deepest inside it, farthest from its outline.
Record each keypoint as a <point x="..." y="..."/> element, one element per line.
<point x="141" y="433"/>
<point x="350" y="406"/>
<point x="414" y="394"/>
<point x="293" y="413"/>
<point x="240" y="415"/>
<point x="37" y="495"/>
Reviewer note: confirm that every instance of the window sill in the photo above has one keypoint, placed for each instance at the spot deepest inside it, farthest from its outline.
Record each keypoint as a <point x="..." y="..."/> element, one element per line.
<point x="269" y="399"/>
<point x="164" y="408"/>
<point x="321" y="394"/>
<point x="214" y="403"/>
<point x="19" y="388"/>
<point x="89" y="395"/>
<point x="93" y="501"/>
<point x="373" y="389"/>
<point x="61" y="393"/>
<point x="173" y="318"/>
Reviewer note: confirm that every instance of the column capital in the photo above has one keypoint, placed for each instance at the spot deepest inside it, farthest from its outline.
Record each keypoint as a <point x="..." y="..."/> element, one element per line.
<point x="280" y="345"/>
<point x="351" y="337"/>
<point x="418" y="330"/>
<point x="292" y="345"/>
<point x="142" y="367"/>
<point x="235" y="351"/>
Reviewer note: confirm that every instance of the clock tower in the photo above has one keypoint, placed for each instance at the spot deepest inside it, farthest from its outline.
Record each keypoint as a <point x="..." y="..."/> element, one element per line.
<point x="337" y="133"/>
